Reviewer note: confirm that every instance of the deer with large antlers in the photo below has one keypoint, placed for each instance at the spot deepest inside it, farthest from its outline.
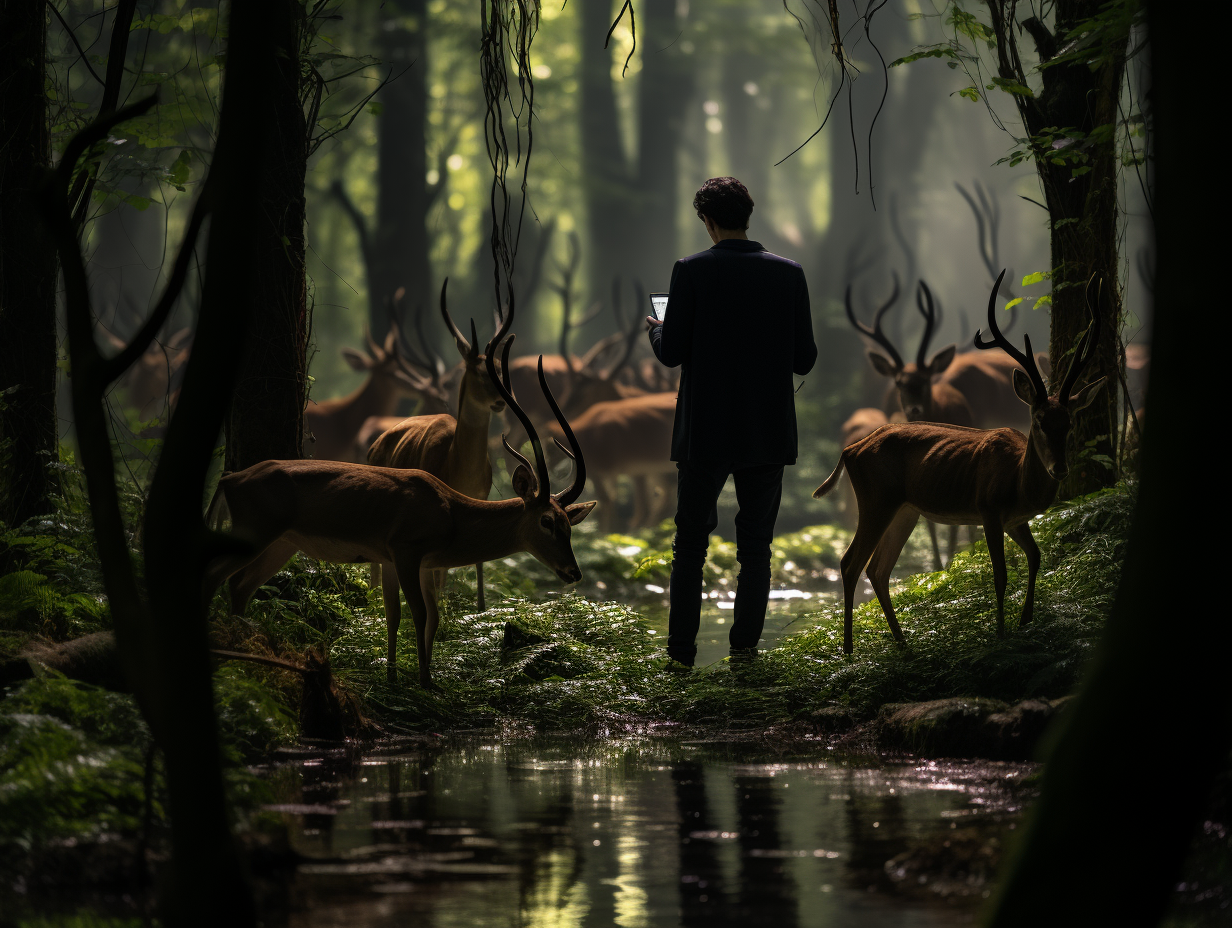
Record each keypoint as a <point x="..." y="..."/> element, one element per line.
<point x="997" y="478"/>
<point x="333" y="424"/>
<point x="455" y="449"/>
<point x="405" y="520"/>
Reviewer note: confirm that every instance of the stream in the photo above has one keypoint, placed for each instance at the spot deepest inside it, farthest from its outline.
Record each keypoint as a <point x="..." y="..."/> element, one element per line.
<point x="519" y="831"/>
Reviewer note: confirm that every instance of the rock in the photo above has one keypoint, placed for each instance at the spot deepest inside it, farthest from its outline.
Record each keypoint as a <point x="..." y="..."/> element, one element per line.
<point x="966" y="727"/>
<point x="834" y="719"/>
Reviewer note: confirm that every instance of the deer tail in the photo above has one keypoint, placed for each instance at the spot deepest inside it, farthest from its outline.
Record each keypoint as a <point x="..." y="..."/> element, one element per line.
<point x="830" y="481"/>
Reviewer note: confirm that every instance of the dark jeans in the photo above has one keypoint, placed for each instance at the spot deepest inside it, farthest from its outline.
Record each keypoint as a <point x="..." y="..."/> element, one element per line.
<point x="758" y="491"/>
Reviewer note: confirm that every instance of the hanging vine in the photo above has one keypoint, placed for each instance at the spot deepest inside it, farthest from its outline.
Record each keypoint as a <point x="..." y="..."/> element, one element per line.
<point x="509" y="28"/>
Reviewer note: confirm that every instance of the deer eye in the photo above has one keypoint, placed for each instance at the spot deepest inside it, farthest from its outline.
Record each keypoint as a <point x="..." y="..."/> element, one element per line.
<point x="547" y="523"/>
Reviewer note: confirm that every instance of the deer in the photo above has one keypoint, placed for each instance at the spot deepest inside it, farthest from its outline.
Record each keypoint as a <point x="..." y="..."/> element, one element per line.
<point x="455" y="449"/>
<point x="996" y="478"/>
<point x="335" y="423"/>
<point x="629" y="437"/>
<point x="152" y="385"/>
<point x="404" y="520"/>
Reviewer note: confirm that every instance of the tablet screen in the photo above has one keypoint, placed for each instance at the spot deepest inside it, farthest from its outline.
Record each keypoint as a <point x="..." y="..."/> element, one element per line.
<point x="658" y="303"/>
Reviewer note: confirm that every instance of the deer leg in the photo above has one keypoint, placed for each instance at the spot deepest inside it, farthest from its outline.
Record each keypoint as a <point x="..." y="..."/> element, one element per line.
<point x="249" y="578"/>
<point x="932" y="536"/>
<point x="873" y="524"/>
<point x="641" y="503"/>
<point x="413" y="583"/>
<point x="883" y="560"/>
<point x="953" y="544"/>
<point x="432" y="617"/>
<point x="996" y="553"/>
<point x="1022" y="535"/>
<point x="480" y="602"/>
<point x="607" y="505"/>
<point x="393" y="618"/>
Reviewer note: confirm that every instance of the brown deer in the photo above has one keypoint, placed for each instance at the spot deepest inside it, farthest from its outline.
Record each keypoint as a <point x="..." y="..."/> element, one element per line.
<point x="998" y="478"/>
<point x="152" y="385"/>
<point x="406" y="520"/>
<point x="455" y="449"/>
<point x="629" y="437"/>
<point x="333" y="424"/>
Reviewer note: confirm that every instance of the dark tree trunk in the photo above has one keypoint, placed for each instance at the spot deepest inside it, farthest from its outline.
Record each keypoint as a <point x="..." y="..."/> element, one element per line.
<point x="1083" y="211"/>
<point x="400" y="242"/>
<point x="27" y="271"/>
<point x="266" y="420"/>
<point x="663" y="96"/>
<point x="1124" y="845"/>
<point x="606" y="177"/>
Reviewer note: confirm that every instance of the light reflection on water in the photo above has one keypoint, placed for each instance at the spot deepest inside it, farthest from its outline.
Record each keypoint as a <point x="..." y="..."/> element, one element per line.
<point x="551" y="833"/>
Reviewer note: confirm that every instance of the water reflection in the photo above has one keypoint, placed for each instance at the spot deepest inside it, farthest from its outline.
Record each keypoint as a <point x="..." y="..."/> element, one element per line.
<point x="551" y="833"/>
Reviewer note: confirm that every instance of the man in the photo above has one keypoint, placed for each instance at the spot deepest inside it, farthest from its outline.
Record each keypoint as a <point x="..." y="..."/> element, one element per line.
<point x="738" y="323"/>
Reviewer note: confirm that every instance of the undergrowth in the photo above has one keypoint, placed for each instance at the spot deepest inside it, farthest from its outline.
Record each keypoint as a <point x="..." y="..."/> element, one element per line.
<point x="75" y="763"/>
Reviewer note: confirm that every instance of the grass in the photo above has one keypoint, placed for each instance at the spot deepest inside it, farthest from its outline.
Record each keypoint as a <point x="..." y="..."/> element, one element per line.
<point x="593" y="665"/>
<point x="73" y="758"/>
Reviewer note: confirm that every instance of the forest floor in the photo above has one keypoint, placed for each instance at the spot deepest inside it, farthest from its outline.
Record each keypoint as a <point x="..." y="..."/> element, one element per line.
<point x="74" y="759"/>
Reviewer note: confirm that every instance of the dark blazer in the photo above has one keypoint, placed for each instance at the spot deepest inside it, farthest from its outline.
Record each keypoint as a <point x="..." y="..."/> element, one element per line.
<point x="738" y="322"/>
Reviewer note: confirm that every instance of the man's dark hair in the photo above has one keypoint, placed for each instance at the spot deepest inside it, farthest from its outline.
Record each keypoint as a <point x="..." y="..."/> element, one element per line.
<point x="726" y="201"/>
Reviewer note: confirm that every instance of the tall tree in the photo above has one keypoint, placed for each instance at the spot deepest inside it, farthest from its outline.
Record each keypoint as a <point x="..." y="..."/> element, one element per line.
<point x="631" y="204"/>
<point x="1124" y="845"/>
<point x="27" y="270"/>
<point x="1071" y="118"/>
<point x="266" y="419"/>
<point x="400" y="241"/>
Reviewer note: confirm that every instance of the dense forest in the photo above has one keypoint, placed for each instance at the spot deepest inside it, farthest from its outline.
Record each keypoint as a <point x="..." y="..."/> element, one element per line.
<point x="253" y="253"/>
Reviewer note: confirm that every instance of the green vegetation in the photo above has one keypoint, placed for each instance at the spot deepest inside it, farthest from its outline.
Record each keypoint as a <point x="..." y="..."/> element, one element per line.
<point x="543" y="658"/>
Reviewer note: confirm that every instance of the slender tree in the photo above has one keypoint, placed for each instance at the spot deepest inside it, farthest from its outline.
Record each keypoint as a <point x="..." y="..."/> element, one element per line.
<point x="27" y="270"/>
<point x="1070" y="113"/>
<point x="266" y="420"/>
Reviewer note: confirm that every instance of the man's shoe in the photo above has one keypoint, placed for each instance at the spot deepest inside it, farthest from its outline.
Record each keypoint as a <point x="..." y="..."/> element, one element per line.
<point x="742" y="656"/>
<point x="672" y="666"/>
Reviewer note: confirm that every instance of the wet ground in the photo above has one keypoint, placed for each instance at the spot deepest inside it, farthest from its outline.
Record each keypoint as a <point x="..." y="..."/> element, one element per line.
<point x="476" y="831"/>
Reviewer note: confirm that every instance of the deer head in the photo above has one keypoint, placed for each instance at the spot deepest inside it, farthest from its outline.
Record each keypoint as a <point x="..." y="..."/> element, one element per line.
<point x="476" y="387"/>
<point x="913" y="381"/>
<point x="1051" y="415"/>
<point x="545" y="528"/>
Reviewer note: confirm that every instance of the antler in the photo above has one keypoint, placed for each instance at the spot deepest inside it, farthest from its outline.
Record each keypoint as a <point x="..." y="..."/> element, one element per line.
<point x="875" y="332"/>
<point x="1086" y="347"/>
<point x="468" y="348"/>
<point x="923" y="294"/>
<point x="1027" y="361"/>
<point x="502" y="387"/>
<point x="579" y="473"/>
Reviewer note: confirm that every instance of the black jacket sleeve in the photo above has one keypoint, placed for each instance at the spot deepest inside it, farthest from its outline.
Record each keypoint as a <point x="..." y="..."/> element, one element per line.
<point x="806" y="348"/>
<point x="672" y="340"/>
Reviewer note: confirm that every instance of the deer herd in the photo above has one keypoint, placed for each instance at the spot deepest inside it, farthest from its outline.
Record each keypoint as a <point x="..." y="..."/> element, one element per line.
<point x="963" y="438"/>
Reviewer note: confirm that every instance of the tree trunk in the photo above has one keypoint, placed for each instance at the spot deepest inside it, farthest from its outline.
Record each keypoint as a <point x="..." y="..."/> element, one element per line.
<point x="27" y="271"/>
<point x="1123" y="846"/>
<point x="266" y="420"/>
<point x="663" y="96"/>
<point x="1083" y="210"/>
<point x="400" y="245"/>
<point x="606" y="177"/>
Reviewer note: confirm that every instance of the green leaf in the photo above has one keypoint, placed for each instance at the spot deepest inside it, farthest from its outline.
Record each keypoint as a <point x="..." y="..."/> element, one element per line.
<point x="1045" y="300"/>
<point x="138" y="203"/>
<point x="1012" y="86"/>
<point x="942" y="51"/>
<point x="1014" y="302"/>
<point x="375" y="107"/>
<point x="971" y="93"/>
<point x="180" y="170"/>
<point x="1078" y="172"/>
<point x="1036" y="278"/>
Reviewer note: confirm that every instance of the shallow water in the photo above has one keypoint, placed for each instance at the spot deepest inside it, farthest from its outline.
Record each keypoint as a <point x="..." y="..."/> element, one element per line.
<point x="532" y="832"/>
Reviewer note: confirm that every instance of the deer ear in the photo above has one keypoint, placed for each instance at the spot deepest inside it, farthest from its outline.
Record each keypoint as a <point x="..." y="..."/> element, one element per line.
<point x="356" y="360"/>
<point x="1083" y="397"/>
<point x="1043" y="363"/>
<point x="1023" y="386"/>
<point x="524" y="482"/>
<point x="881" y="364"/>
<point x="579" y="511"/>
<point x="941" y="360"/>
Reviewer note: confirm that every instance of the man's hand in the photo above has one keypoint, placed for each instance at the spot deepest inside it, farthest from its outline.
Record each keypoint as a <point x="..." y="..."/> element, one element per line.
<point x="651" y="322"/>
